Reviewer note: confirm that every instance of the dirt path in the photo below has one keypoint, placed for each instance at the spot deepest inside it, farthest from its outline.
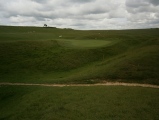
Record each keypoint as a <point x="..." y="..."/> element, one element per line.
<point x="98" y="84"/>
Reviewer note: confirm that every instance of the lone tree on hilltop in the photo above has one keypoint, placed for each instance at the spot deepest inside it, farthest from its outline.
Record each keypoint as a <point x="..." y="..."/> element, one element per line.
<point x="45" y="25"/>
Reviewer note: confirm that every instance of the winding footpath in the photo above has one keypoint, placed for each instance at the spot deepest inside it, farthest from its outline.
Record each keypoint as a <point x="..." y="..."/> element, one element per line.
<point x="75" y="85"/>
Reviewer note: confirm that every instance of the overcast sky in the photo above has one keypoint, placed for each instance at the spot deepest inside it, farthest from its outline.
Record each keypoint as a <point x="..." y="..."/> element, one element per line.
<point x="81" y="14"/>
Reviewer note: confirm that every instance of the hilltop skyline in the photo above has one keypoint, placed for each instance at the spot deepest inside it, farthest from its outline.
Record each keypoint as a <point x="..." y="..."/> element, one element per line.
<point x="81" y="14"/>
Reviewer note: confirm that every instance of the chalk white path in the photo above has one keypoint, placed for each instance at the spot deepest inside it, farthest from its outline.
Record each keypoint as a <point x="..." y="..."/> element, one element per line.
<point x="74" y="85"/>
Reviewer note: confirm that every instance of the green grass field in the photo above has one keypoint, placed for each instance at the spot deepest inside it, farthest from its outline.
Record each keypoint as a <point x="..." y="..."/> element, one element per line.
<point x="87" y="44"/>
<point x="39" y="55"/>
<point x="66" y="56"/>
<point x="80" y="103"/>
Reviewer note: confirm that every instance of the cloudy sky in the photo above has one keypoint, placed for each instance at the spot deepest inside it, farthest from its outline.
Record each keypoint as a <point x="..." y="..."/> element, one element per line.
<point x="81" y="14"/>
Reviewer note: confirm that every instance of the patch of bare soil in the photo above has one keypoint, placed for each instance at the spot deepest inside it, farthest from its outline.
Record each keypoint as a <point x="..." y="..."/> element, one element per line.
<point x="74" y="85"/>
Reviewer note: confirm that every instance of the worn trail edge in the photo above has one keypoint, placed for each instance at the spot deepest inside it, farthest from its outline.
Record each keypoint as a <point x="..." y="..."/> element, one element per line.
<point x="98" y="84"/>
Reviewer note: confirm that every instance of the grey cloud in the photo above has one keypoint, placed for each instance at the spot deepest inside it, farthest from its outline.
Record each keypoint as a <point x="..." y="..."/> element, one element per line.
<point x="136" y="3"/>
<point x="142" y="9"/>
<point x="157" y="15"/>
<point x="94" y="10"/>
<point x="142" y="13"/>
<point x="81" y="14"/>
<point x="141" y="6"/>
<point x="39" y="1"/>
<point x="154" y="22"/>
<point x="81" y="1"/>
<point x="139" y="3"/>
<point x="154" y="2"/>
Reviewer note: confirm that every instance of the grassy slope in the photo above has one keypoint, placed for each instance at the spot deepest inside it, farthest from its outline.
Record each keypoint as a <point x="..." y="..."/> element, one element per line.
<point x="80" y="103"/>
<point x="37" y="57"/>
<point x="32" y="54"/>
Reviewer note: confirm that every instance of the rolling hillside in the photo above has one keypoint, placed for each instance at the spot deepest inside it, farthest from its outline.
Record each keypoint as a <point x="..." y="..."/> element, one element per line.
<point x="52" y="55"/>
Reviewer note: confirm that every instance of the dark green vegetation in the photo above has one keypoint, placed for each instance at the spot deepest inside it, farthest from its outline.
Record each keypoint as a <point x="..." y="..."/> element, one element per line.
<point x="51" y="55"/>
<point x="78" y="103"/>
<point x="39" y="55"/>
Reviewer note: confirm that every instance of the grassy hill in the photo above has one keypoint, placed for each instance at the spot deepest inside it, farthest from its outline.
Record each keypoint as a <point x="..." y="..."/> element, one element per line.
<point x="52" y="55"/>
<point x="80" y="103"/>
